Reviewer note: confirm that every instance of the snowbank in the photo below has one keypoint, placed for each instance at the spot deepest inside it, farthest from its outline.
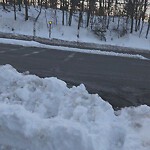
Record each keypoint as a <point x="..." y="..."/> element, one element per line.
<point x="43" y="114"/>
<point x="68" y="33"/>
<point x="61" y="48"/>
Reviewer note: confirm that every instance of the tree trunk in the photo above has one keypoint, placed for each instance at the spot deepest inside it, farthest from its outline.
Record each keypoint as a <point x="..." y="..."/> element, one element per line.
<point x="140" y="15"/>
<point x="71" y="13"/>
<point x="15" y="10"/>
<point x="3" y="4"/>
<point x="136" y="15"/>
<point x="45" y="4"/>
<point x="63" y="12"/>
<point x="26" y="9"/>
<point x="19" y="3"/>
<point x="108" y="10"/>
<point x="70" y="17"/>
<point x="143" y="16"/>
<point x="89" y="13"/>
<point x="148" y="27"/>
<point x="34" y="24"/>
<point x="80" y="14"/>
<point x="132" y="14"/>
<point x="38" y="2"/>
<point x="118" y="22"/>
<point x="100" y="8"/>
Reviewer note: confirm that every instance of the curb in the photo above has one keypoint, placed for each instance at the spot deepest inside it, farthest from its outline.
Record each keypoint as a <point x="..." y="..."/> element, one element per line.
<point x="73" y="44"/>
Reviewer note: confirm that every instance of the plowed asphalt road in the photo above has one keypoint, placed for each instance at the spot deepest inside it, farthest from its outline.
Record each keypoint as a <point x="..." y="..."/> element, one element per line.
<point x="120" y="81"/>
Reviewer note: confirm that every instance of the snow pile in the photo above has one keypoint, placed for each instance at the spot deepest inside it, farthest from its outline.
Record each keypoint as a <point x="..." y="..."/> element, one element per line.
<point x="38" y="114"/>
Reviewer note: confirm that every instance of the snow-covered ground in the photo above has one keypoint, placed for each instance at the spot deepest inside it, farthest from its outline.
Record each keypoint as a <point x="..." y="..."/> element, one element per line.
<point x="9" y="25"/>
<point x="43" y="114"/>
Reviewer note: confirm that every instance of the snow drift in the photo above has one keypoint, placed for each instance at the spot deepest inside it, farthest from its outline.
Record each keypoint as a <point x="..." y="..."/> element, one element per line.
<point x="43" y="114"/>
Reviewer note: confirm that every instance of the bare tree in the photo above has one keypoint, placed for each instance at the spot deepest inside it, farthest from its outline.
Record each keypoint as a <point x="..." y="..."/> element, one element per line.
<point x="26" y="9"/>
<point x="19" y="4"/>
<point x="140" y="14"/>
<point x="34" y="25"/>
<point x="108" y="12"/>
<point x="63" y="11"/>
<point x="80" y="16"/>
<point x="3" y="4"/>
<point x="148" y="27"/>
<point x="73" y="3"/>
<point x="53" y="4"/>
<point x="90" y="9"/>
<point x="143" y="15"/>
<point x="132" y="14"/>
<point x="15" y="17"/>
<point x="136" y="15"/>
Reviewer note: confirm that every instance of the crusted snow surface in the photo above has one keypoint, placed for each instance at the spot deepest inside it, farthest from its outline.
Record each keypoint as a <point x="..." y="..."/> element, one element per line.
<point x="44" y="114"/>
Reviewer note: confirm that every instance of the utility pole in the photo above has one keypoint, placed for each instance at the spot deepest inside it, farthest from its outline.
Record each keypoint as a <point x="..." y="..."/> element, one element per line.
<point x="50" y="28"/>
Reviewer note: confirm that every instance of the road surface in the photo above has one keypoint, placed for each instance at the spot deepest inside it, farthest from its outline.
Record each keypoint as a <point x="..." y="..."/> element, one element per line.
<point x="120" y="81"/>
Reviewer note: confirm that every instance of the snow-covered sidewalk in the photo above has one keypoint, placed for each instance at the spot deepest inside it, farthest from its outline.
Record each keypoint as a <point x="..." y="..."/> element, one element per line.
<point x="43" y="114"/>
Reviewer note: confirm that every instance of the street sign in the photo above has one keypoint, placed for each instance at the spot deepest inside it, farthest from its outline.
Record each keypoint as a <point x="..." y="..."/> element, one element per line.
<point x="50" y="22"/>
<point x="50" y="28"/>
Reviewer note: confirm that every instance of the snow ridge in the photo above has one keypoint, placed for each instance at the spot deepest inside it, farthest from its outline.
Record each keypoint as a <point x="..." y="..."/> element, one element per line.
<point x="42" y="113"/>
<point x="98" y="52"/>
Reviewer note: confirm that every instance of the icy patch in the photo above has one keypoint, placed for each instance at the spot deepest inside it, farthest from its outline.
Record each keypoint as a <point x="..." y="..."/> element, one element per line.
<point x="43" y="114"/>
